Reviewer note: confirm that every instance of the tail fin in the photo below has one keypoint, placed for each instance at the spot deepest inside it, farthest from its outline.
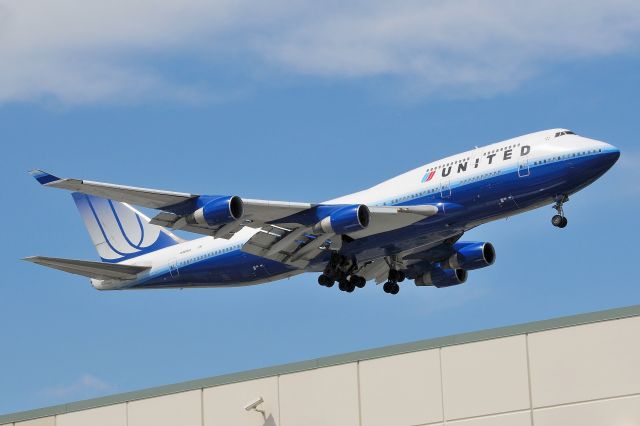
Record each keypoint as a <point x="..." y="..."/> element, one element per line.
<point x="118" y="231"/>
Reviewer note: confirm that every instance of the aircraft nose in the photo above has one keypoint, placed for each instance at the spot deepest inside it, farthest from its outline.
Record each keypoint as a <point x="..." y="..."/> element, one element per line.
<point x="609" y="155"/>
<point x="593" y="160"/>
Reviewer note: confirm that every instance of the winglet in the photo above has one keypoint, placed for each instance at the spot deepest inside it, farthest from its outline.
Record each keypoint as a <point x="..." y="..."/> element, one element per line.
<point x="43" y="177"/>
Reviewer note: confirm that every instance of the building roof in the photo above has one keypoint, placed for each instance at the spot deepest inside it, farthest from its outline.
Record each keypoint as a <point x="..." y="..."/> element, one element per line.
<point x="439" y="342"/>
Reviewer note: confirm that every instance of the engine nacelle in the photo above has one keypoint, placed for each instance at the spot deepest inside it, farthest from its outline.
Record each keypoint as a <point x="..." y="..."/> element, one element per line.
<point x="471" y="256"/>
<point x="344" y="220"/>
<point x="218" y="211"/>
<point x="439" y="277"/>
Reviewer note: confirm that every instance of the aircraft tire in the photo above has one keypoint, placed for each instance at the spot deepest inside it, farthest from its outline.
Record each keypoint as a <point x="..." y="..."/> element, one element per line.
<point x="557" y="221"/>
<point x="393" y="275"/>
<point x="358" y="281"/>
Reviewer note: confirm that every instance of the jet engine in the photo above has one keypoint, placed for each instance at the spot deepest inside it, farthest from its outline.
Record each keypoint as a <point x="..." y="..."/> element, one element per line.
<point x="439" y="277"/>
<point x="344" y="220"/>
<point x="218" y="211"/>
<point x="470" y="256"/>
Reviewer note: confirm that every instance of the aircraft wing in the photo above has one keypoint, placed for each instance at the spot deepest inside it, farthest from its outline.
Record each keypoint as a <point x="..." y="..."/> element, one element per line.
<point x="287" y="230"/>
<point x="97" y="270"/>
<point x="257" y="213"/>
<point x="298" y="244"/>
<point x="175" y="204"/>
<point x="152" y="198"/>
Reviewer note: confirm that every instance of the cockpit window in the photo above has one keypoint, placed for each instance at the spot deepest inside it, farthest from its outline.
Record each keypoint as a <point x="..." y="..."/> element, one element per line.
<point x="564" y="132"/>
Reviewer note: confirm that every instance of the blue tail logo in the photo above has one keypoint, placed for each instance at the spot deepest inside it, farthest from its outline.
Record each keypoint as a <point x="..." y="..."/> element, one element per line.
<point x="118" y="231"/>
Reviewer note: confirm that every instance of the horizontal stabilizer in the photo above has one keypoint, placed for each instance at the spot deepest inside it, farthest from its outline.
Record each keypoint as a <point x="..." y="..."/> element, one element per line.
<point x="97" y="270"/>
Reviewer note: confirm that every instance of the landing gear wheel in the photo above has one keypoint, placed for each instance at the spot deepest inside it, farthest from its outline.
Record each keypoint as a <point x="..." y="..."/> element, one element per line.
<point x="357" y="281"/>
<point x="556" y="220"/>
<point x="325" y="280"/>
<point x="343" y="285"/>
<point x="396" y="276"/>
<point x="362" y="282"/>
<point x="559" y="220"/>
<point x="391" y="287"/>
<point x="350" y="288"/>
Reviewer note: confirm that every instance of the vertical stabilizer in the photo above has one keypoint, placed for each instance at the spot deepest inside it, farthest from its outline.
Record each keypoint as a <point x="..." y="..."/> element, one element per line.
<point x="118" y="231"/>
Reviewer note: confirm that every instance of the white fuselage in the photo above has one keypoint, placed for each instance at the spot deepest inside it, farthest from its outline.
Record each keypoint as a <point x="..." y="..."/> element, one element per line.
<point x="438" y="177"/>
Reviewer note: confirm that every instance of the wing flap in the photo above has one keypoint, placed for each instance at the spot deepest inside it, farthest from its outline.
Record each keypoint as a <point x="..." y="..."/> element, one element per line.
<point x="388" y="218"/>
<point x="97" y="270"/>
<point x="297" y="247"/>
<point x="174" y="221"/>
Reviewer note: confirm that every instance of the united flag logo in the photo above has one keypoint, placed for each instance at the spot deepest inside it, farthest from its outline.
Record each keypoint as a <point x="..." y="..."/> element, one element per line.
<point x="428" y="176"/>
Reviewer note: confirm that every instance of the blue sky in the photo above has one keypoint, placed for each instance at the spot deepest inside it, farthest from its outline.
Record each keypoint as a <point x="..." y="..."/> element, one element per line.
<point x="289" y="104"/>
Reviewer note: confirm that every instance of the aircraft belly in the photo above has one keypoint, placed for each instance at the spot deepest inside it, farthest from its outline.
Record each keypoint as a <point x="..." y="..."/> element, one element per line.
<point x="235" y="268"/>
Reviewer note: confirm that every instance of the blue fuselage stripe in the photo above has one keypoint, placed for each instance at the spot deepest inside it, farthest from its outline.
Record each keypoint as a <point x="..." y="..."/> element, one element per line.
<point x="502" y="193"/>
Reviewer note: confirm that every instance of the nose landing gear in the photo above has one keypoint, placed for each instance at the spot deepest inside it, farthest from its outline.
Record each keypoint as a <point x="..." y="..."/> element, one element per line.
<point x="559" y="220"/>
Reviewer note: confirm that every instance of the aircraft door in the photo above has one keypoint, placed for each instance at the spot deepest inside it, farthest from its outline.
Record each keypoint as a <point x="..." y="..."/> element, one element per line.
<point x="445" y="188"/>
<point x="174" y="271"/>
<point x="523" y="167"/>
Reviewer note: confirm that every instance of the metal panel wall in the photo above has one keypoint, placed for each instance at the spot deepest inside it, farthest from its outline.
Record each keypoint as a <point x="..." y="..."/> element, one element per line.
<point x="184" y="409"/>
<point x="485" y="378"/>
<point x="583" y="374"/>
<point x="224" y="405"/>
<point x="401" y="389"/>
<point x="326" y="396"/>
<point x="584" y="363"/>
<point x="44" y="421"/>
<point x="111" y="415"/>
<point x="623" y="411"/>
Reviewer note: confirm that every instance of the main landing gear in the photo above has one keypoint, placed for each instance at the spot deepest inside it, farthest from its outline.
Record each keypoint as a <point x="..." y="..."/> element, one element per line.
<point x="395" y="277"/>
<point x="341" y="269"/>
<point x="348" y="284"/>
<point x="559" y="220"/>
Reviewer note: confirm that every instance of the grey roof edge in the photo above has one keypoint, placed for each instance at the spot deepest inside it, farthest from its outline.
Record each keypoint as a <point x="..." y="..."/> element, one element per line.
<point x="438" y="342"/>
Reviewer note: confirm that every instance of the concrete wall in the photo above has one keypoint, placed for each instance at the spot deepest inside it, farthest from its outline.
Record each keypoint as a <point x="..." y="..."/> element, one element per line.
<point x="585" y="374"/>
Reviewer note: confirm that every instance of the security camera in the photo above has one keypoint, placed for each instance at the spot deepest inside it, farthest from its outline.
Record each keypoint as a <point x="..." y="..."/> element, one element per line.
<point x="253" y="404"/>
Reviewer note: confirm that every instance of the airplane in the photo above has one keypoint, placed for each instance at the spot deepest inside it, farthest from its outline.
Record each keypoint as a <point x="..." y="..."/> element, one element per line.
<point x="405" y="228"/>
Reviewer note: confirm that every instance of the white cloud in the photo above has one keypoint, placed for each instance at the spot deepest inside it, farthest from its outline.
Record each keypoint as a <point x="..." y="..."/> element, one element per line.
<point x="85" y="386"/>
<point x="91" y="51"/>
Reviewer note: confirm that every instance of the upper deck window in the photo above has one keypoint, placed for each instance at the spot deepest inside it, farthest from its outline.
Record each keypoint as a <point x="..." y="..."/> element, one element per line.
<point x="564" y="132"/>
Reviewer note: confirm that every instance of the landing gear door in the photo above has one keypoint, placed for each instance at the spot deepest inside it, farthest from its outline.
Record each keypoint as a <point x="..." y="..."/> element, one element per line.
<point x="445" y="188"/>
<point x="523" y="167"/>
